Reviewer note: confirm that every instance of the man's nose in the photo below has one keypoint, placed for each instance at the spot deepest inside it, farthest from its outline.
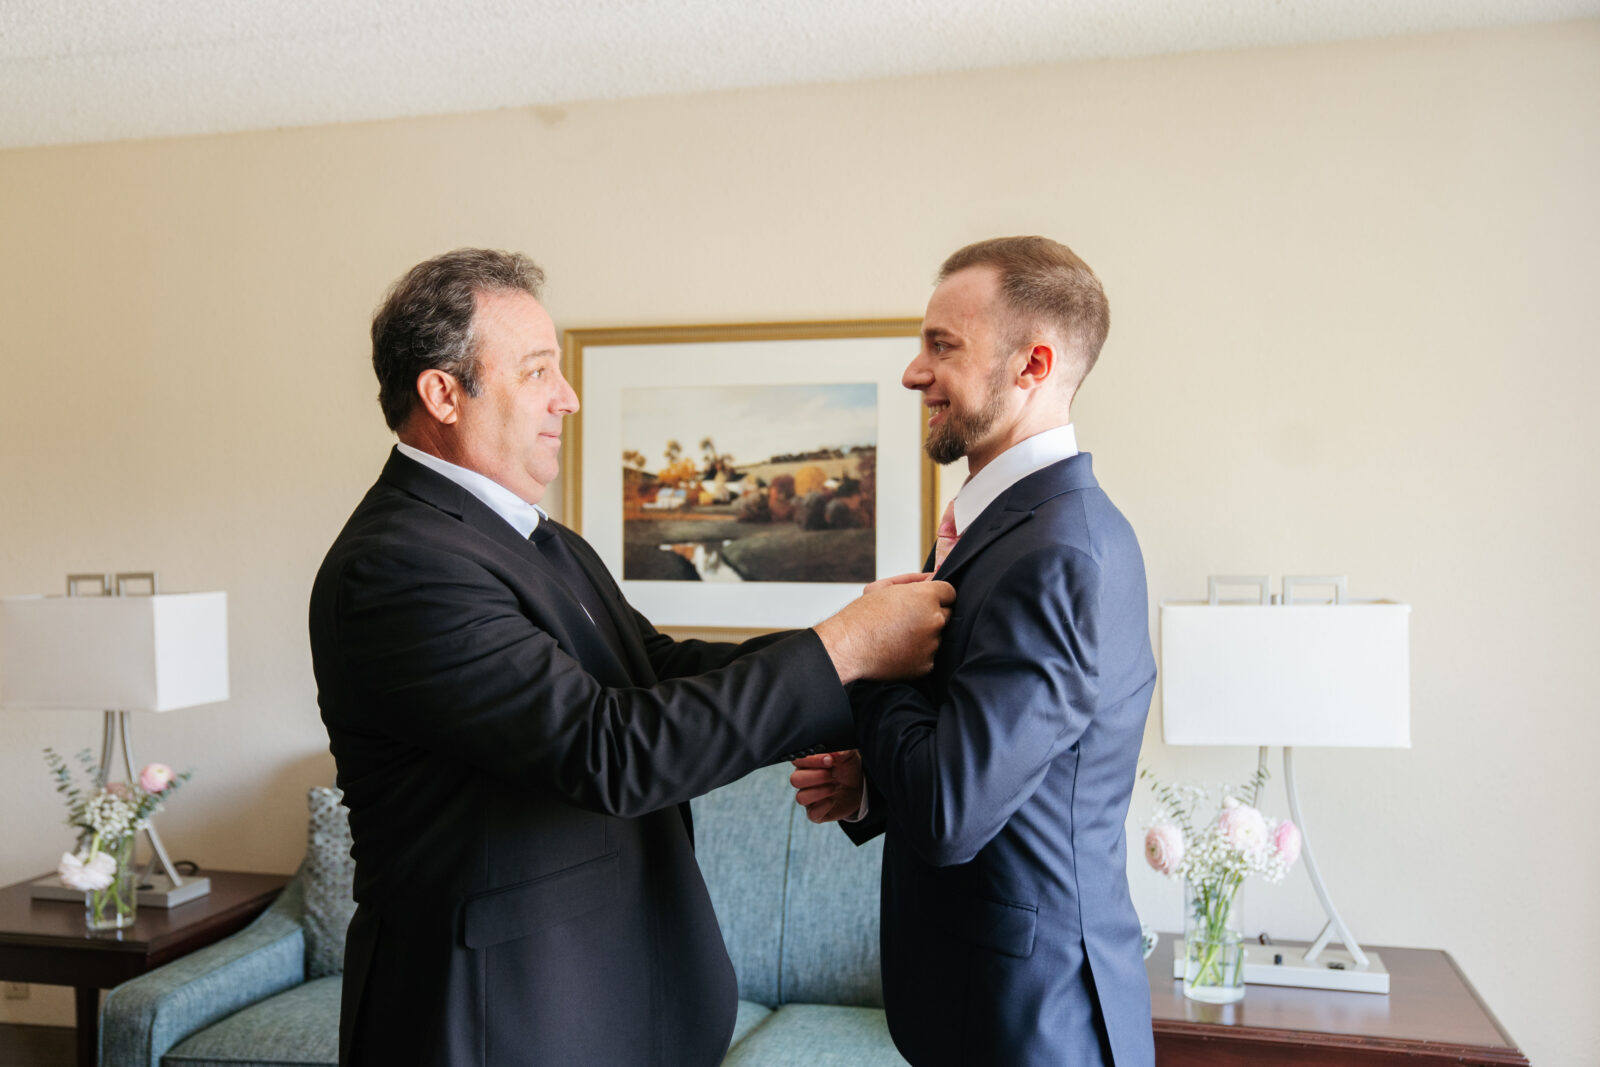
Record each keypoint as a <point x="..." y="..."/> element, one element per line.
<point x="917" y="375"/>
<point x="567" y="399"/>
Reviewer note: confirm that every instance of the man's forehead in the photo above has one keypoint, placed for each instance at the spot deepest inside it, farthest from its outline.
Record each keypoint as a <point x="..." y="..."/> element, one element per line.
<point x="963" y="303"/>
<point x="514" y="308"/>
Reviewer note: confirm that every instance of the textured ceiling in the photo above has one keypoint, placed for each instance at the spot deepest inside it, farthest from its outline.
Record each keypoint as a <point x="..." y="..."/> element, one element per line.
<point x="75" y="71"/>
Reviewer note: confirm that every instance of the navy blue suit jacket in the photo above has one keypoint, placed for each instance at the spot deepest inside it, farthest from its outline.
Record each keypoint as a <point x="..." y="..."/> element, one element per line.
<point x="1004" y="776"/>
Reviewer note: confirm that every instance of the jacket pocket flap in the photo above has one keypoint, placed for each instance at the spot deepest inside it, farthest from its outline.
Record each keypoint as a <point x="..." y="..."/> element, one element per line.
<point x="519" y="910"/>
<point x="995" y="925"/>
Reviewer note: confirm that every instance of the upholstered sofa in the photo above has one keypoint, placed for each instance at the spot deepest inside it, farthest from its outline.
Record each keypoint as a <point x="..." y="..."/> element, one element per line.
<point x="798" y="905"/>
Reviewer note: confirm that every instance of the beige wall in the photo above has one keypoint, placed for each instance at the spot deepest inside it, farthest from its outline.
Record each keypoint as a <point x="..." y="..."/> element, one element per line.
<point x="1355" y="320"/>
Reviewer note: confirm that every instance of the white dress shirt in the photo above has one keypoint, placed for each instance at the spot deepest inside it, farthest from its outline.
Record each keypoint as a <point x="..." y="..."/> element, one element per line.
<point x="523" y="516"/>
<point x="1010" y="467"/>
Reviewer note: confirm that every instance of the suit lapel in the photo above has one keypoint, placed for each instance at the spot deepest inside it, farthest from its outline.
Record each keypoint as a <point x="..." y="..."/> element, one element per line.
<point x="606" y="587"/>
<point x="992" y="523"/>
<point x="440" y="492"/>
<point x="1016" y="505"/>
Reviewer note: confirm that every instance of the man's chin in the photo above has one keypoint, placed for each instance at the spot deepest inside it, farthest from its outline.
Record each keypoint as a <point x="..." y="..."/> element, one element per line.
<point x="537" y="482"/>
<point x="944" y="448"/>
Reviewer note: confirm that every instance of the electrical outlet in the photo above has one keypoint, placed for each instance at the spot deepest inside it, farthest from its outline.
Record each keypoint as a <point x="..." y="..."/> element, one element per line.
<point x="16" y="990"/>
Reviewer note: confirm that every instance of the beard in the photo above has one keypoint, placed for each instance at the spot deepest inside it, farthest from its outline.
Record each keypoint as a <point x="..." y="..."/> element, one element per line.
<point x="961" y="431"/>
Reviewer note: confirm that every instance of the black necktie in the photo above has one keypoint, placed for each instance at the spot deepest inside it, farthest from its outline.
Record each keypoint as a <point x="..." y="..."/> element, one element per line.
<point x="572" y="575"/>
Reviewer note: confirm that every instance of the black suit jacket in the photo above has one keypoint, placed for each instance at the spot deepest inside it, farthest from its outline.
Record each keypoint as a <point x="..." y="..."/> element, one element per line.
<point x="517" y="779"/>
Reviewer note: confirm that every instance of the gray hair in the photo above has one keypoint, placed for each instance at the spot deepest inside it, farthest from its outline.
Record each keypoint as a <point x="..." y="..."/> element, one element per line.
<point x="425" y="322"/>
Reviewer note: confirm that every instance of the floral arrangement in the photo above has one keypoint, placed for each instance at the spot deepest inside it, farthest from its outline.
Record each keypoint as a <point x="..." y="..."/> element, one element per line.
<point x="107" y="818"/>
<point x="1214" y="856"/>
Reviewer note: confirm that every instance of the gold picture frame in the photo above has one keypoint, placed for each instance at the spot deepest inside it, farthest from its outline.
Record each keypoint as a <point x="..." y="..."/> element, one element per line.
<point x="622" y="376"/>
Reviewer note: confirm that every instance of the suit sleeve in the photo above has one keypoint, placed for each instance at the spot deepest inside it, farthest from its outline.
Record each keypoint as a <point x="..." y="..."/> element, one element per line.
<point x="953" y="770"/>
<point x="872" y="824"/>
<point x="671" y="658"/>
<point x="439" y="655"/>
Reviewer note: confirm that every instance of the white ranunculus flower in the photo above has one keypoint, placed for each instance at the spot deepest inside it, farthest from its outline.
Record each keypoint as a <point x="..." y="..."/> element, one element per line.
<point x="1243" y="828"/>
<point x="86" y="875"/>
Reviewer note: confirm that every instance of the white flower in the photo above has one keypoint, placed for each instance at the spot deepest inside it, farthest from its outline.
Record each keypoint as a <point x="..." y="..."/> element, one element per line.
<point x="87" y="875"/>
<point x="1242" y="827"/>
<point x="109" y="814"/>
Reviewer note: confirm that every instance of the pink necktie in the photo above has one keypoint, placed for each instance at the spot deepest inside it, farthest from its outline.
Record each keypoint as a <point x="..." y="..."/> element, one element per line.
<point x="946" y="534"/>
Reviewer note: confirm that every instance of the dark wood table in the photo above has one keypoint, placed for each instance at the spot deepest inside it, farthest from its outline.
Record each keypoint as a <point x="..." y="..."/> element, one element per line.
<point x="45" y="941"/>
<point x="1431" y="1014"/>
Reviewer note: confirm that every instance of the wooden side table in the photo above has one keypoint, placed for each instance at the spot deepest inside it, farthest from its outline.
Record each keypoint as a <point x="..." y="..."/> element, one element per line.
<point x="1431" y="1015"/>
<point x="45" y="941"/>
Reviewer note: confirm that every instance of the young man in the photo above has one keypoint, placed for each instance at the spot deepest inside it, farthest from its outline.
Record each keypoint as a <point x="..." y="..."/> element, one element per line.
<point x="1002" y="778"/>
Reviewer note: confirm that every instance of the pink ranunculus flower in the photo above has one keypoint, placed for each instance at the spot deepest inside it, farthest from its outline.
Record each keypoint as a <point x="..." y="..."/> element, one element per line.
<point x="155" y="777"/>
<point x="1243" y="827"/>
<point x="1163" y="848"/>
<point x="1286" y="840"/>
<point x="86" y="875"/>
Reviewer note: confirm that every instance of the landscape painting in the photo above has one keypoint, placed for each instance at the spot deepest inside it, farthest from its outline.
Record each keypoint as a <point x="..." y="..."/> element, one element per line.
<point x="759" y="483"/>
<point x="742" y="478"/>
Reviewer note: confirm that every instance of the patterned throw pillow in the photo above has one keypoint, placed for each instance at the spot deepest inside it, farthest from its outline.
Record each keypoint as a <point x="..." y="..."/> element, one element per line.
<point x="329" y="878"/>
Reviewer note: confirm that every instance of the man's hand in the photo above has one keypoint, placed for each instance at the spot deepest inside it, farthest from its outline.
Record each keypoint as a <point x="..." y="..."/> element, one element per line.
<point x="891" y="631"/>
<point x="898" y="579"/>
<point x="828" y="786"/>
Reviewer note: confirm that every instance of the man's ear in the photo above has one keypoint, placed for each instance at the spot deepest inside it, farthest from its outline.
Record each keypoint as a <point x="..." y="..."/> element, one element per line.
<point x="440" y="394"/>
<point x="1041" y="361"/>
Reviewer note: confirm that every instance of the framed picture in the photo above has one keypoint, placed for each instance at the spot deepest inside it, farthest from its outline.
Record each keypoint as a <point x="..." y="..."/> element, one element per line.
<point x="748" y="477"/>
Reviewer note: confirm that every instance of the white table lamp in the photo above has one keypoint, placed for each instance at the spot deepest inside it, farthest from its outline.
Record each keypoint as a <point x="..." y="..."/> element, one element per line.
<point x="117" y="654"/>
<point x="1293" y="674"/>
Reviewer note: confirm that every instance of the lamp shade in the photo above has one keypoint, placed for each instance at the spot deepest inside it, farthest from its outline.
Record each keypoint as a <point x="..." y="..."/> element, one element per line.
<point x="1296" y="675"/>
<point x="123" y="653"/>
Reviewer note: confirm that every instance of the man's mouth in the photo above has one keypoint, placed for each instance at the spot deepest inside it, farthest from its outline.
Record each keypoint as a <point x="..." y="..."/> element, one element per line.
<point x="937" y="408"/>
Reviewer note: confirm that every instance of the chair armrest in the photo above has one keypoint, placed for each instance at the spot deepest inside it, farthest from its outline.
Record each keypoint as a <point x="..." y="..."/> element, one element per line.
<point x="143" y="1018"/>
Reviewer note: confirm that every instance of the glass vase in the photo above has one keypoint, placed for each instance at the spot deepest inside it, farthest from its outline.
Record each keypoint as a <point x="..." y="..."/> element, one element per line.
<point x="117" y="905"/>
<point x="1213" y="942"/>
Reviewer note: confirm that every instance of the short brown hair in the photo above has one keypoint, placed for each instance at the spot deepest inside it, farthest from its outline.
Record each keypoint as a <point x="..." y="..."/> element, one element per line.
<point x="1043" y="283"/>
<point x="425" y="322"/>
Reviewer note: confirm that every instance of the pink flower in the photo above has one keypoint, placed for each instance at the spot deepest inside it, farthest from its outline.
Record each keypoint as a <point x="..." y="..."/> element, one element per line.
<point x="155" y="777"/>
<point x="1242" y="826"/>
<point x="1286" y="840"/>
<point x="1163" y="848"/>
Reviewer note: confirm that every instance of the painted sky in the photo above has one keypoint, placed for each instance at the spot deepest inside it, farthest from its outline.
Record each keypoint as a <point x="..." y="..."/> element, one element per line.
<point x="750" y="422"/>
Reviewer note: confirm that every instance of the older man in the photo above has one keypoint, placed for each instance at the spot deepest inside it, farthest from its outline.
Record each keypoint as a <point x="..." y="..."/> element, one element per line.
<point x="515" y="743"/>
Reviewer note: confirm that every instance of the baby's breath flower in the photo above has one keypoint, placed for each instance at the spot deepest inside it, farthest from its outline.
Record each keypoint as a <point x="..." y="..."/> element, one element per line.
<point x="109" y="814"/>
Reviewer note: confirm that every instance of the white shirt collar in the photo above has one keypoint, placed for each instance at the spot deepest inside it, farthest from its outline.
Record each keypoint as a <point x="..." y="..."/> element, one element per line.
<point x="1010" y="467"/>
<point x="523" y="516"/>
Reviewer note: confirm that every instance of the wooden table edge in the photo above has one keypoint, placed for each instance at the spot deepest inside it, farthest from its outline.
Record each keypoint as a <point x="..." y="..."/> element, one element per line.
<point x="1445" y="1051"/>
